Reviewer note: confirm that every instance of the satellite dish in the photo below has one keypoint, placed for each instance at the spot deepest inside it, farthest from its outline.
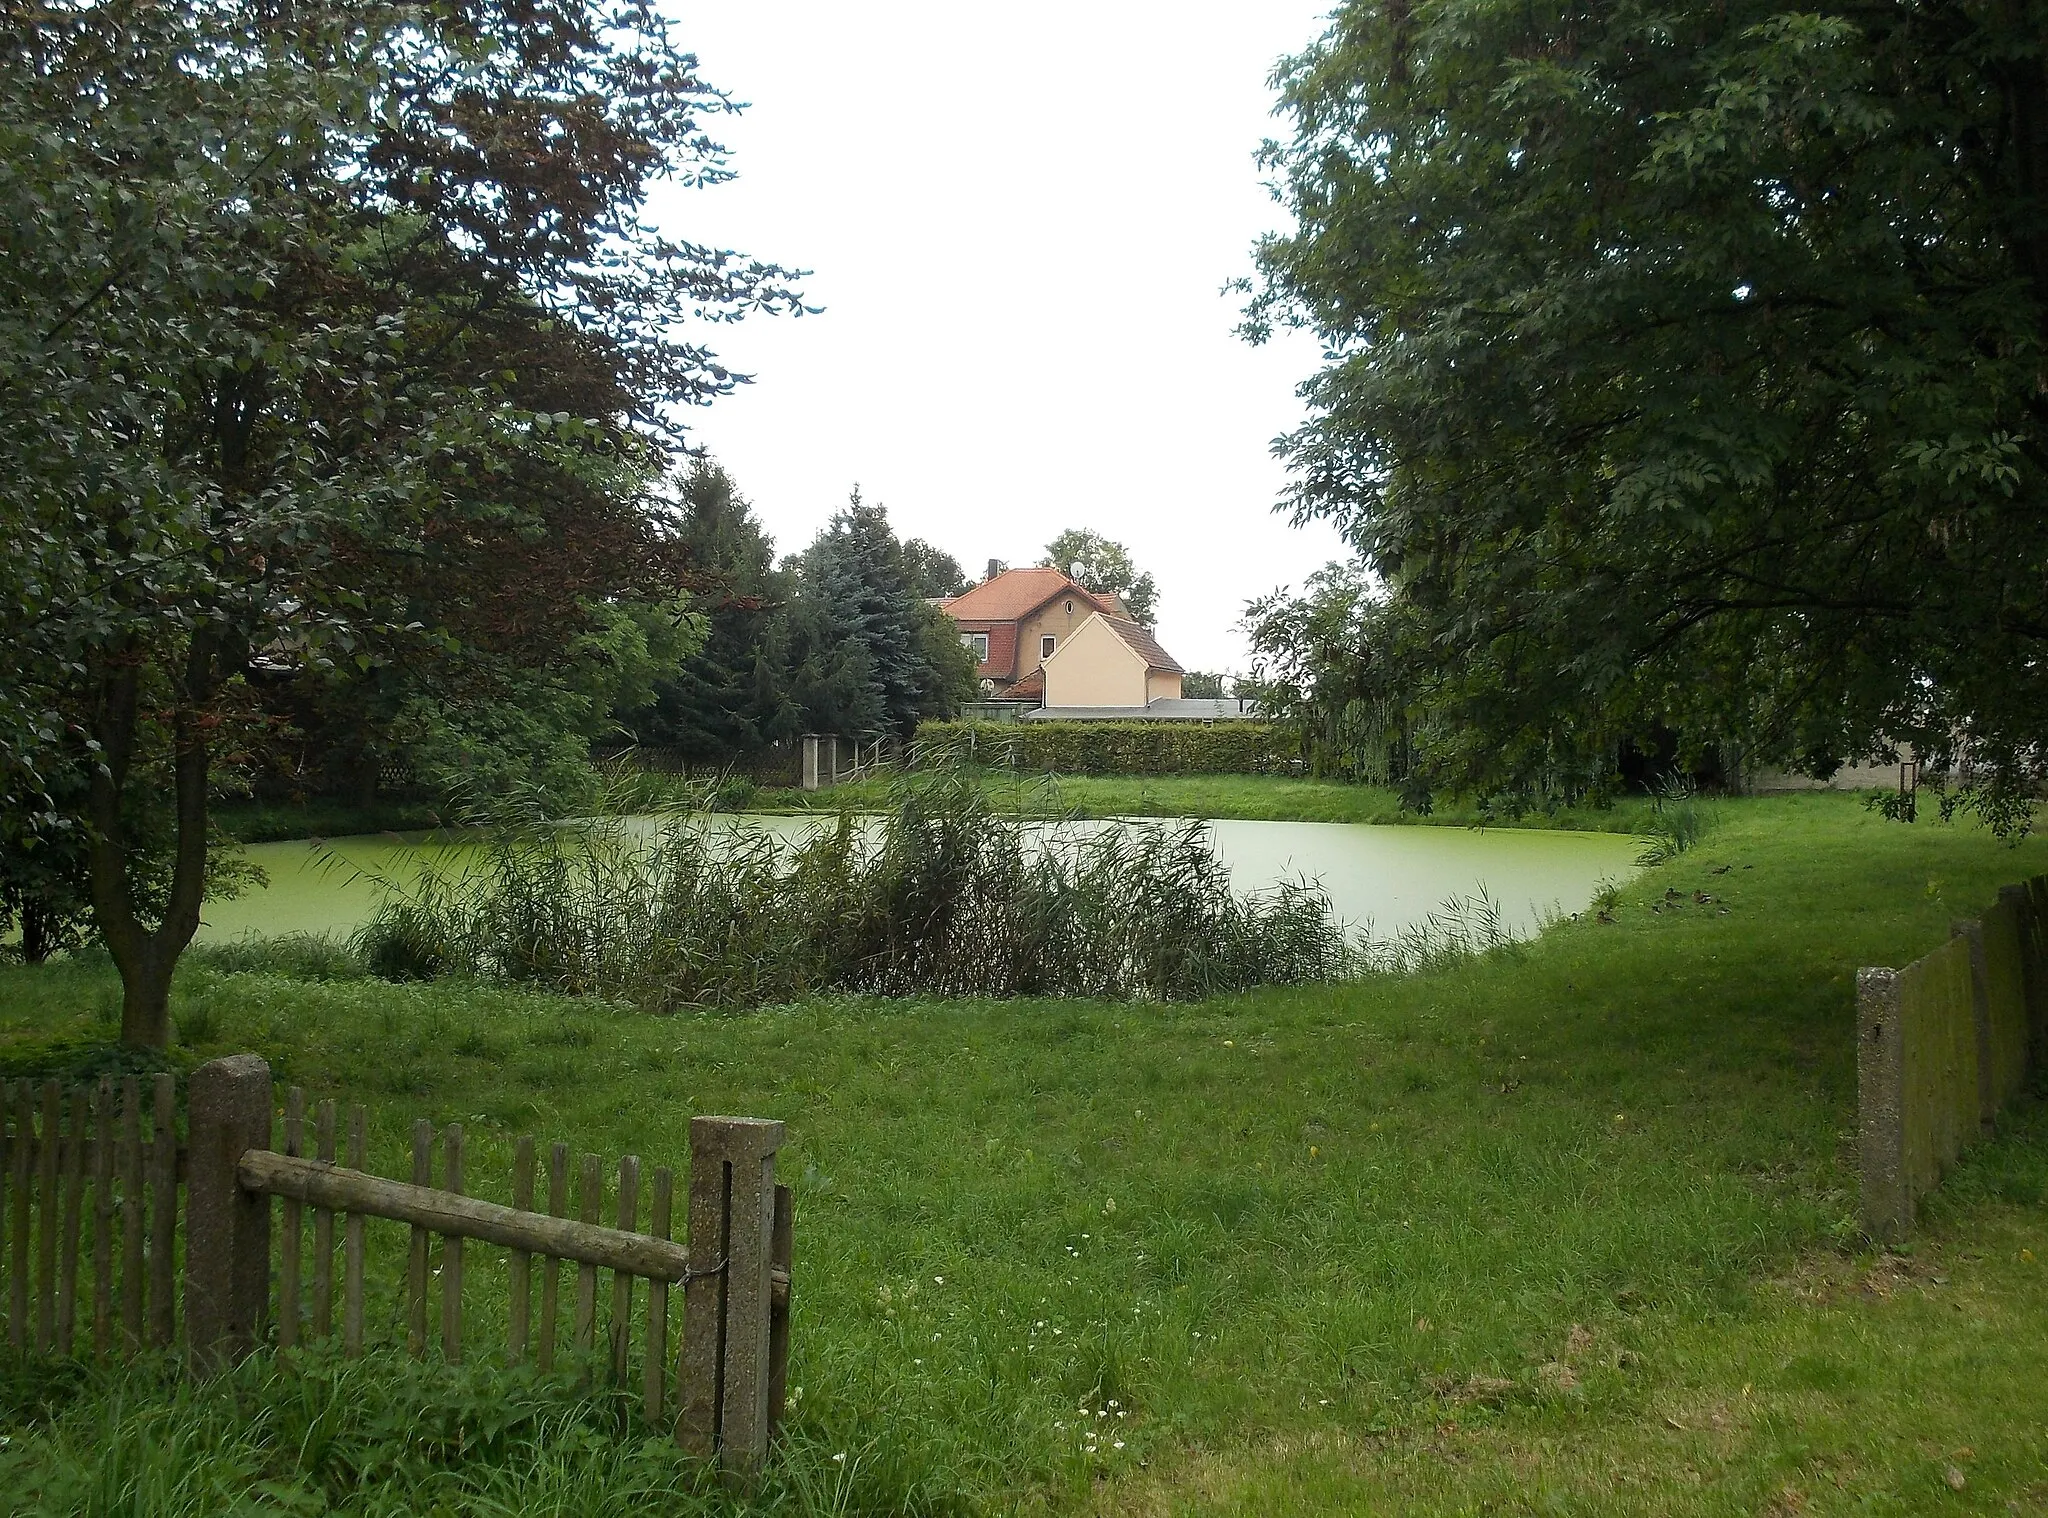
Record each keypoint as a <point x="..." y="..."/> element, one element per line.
<point x="1074" y="570"/>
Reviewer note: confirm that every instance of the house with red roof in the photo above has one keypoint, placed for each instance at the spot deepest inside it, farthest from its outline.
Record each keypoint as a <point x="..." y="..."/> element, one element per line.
<point x="1017" y="619"/>
<point x="1073" y="654"/>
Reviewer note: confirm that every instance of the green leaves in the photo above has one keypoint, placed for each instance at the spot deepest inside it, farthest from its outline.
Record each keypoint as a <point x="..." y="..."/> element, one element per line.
<point x="1683" y="378"/>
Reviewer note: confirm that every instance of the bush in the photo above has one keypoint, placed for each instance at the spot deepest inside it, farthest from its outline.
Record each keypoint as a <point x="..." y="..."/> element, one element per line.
<point x="1111" y="748"/>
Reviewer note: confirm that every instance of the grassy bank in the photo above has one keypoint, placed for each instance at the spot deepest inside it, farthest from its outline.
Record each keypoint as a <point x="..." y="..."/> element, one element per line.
<point x="1563" y="1229"/>
<point x="320" y="817"/>
<point x="1253" y="798"/>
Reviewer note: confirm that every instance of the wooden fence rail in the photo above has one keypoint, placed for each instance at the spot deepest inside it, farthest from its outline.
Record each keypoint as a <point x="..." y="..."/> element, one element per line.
<point x="89" y="1197"/>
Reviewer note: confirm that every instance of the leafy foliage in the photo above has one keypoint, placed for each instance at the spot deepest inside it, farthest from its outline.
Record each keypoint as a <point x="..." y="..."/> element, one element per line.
<point x="1682" y="374"/>
<point x="1101" y="565"/>
<point x="868" y="655"/>
<point x="269" y="285"/>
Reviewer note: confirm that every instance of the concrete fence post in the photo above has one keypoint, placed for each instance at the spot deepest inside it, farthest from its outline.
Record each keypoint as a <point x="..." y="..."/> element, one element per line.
<point x="227" y="1229"/>
<point x="727" y="1368"/>
<point x="1887" y="1203"/>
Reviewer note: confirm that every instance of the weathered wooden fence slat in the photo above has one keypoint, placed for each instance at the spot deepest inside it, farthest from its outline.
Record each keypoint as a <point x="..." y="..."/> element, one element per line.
<point x="46" y="1223"/>
<point x="246" y="1214"/>
<point x="74" y="1218"/>
<point x="451" y="1253"/>
<point x="103" y="1219"/>
<point x="163" y="1233"/>
<point x="9" y="1144"/>
<point x="781" y="1258"/>
<point x="551" y="1267"/>
<point x="654" y="1374"/>
<point x="622" y="1281"/>
<point x="132" y="1263"/>
<point x="416" y="1258"/>
<point x="18" y="1166"/>
<point x="323" y="1229"/>
<point x="589" y="1207"/>
<point x="519" y="1315"/>
<point x="293" y="1227"/>
<point x="352" y="1246"/>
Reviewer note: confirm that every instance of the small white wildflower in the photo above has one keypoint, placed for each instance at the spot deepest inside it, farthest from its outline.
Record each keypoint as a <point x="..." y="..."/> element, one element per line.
<point x="938" y="1280"/>
<point x="840" y="1458"/>
<point x="1119" y="1444"/>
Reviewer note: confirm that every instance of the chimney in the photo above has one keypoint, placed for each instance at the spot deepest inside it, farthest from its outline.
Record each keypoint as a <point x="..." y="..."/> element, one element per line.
<point x="995" y="567"/>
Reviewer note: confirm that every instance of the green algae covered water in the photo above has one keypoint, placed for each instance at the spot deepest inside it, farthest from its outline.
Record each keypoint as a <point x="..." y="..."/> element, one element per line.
<point x="1386" y="879"/>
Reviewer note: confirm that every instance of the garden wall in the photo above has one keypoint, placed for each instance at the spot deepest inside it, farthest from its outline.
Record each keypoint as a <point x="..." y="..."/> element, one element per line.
<point x="1112" y="748"/>
<point x="1943" y="1046"/>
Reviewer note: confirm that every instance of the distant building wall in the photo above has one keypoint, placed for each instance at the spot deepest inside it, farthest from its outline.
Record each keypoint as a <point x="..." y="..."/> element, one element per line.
<point x="1095" y="668"/>
<point x="1051" y="620"/>
<point x="1864" y="775"/>
<point x="1161" y="685"/>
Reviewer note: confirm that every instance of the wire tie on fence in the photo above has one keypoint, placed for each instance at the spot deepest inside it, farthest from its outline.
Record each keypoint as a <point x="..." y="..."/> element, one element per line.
<point x="690" y="1275"/>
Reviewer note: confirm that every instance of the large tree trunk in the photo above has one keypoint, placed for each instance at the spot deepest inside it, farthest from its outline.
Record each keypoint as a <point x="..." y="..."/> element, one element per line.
<point x="145" y="956"/>
<point x="38" y="931"/>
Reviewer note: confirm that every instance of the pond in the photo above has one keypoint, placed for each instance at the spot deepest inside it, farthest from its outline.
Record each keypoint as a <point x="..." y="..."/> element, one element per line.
<point x="1389" y="879"/>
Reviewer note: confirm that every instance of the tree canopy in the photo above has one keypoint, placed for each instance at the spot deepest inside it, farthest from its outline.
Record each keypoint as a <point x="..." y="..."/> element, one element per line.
<point x="294" y="301"/>
<point x="1684" y="374"/>
<point x="1102" y="565"/>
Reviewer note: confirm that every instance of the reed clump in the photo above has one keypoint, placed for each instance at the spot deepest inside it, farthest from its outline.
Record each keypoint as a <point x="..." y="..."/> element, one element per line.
<point x="939" y="896"/>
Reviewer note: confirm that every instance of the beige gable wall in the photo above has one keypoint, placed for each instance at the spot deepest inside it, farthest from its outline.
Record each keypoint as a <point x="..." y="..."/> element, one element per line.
<point x="1050" y="620"/>
<point x="1094" y="667"/>
<point x="1161" y="685"/>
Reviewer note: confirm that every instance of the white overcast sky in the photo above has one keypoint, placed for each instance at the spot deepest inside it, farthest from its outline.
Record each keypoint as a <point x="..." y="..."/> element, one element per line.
<point x="1020" y="219"/>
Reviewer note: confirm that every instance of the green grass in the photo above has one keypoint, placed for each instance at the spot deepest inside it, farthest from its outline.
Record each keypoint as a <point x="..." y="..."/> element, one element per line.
<point x="1565" y="1229"/>
<point x="1256" y="798"/>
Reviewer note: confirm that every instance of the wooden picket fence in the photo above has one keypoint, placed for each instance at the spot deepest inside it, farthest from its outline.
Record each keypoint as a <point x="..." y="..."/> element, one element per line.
<point x="227" y="1215"/>
<point x="1943" y="1047"/>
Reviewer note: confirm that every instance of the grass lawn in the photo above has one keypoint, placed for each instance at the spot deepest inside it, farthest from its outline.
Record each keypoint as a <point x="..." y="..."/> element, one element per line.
<point x="1567" y="1229"/>
<point x="1255" y="798"/>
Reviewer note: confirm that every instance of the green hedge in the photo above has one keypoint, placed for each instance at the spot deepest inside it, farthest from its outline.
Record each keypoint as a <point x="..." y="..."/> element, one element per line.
<point x="1112" y="748"/>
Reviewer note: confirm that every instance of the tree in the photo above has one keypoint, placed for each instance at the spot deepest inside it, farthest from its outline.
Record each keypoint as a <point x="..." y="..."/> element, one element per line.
<point x="1105" y="567"/>
<point x="871" y="656"/>
<point x="1316" y="666"/>
<point x="933" y="572"/>
<point x="727" y="698"/>
<point x="262" y="266"/>
<point x="1683" y="373"/>
<point x="1201" y="685"/>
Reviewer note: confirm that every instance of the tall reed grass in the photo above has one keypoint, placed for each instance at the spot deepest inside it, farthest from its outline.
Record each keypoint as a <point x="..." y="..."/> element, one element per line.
<point x="939" y="896"/>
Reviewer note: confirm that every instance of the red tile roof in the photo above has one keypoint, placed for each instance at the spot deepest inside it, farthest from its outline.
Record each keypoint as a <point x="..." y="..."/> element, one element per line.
<point x="1031" y="685"/>
<point x="1015" y="594"/>
<point x="1139" y="639"/>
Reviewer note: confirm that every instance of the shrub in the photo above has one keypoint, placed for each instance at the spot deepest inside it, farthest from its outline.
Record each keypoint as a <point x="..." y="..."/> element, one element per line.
<point x="1111" y="748"/>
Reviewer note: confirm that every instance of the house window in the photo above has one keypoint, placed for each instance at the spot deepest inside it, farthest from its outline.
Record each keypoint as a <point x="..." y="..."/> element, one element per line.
<point x="978" y="642"/>
<point x="1070" y="608"/>
<point x="1046" y="645"/>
